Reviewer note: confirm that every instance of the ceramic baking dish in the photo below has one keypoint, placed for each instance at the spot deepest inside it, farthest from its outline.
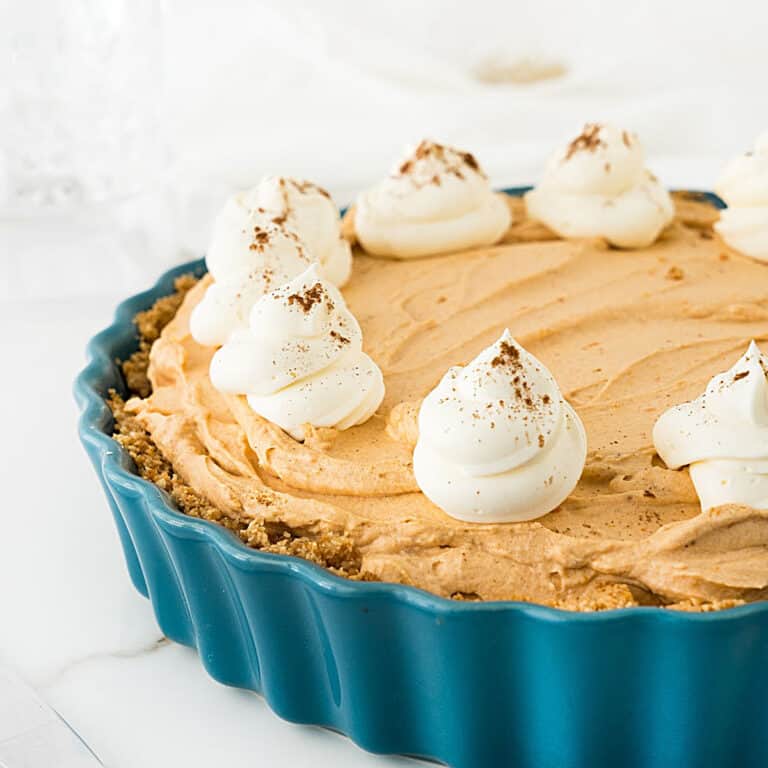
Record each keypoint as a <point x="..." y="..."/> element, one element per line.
<point x="400" y="670"/>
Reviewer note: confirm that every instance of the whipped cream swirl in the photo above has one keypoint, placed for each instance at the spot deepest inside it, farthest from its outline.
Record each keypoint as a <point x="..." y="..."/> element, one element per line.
<point x="497" y="441"/>
<point x="438" y="200"/>
<point x="744" y="187"/>
<point x="723" y="435"/>
<point x="310" y="211"/>
<point x="262" y="238"/>
<point x="301" y="360"/>
<point x="250" y="253"/>
<point x="598" y="186"/>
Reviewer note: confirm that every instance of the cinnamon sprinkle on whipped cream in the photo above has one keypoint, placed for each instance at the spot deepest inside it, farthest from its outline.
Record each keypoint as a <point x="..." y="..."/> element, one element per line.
<point x="589" y="140"/>
<point x="497" y="441"/>
<point x="300" y="361"/>
<point x="723" y="435"/>
<point x="308" y="210"/>
<point x="262" y="238"/>
<point x="598" y="186"/>
<point x="436" y="201"/>
<point x="249" y="255"/>
<point x="453" y="160"/>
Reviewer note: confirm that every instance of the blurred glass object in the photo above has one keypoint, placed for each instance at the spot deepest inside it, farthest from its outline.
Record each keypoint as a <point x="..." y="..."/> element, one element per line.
<point x="82" y="77"/>
<point x="83" y="163"/>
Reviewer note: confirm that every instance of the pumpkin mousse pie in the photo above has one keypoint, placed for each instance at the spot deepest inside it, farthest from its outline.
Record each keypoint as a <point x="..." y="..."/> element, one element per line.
<point x="485" y="396"/>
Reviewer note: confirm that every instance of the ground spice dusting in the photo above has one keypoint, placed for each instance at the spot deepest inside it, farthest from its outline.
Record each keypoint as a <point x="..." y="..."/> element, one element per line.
<point x="470" y="160"/>
<point x="267" y="275"/>
<point x="509" y="354"/>
<point x="291" y="235"/>
<point x="307" y="298"/>
<point x="509" y="357"/>
<point x="427" y="148"/>
<point x="450" y="158"/>
<point x="307" y="186"/>
<point x="261" y="238"/>
<point x="336" y="336"/>
<point x="588" y="140"/>
<point x="334" y="551"/>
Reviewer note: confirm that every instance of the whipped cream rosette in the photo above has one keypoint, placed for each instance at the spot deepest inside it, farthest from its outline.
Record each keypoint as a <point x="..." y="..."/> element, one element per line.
<point x="249" y="255"/>
<point x="744" y="187"/>
<point x="497" y="440"/>
<point x="262" y="238"/>
<point x="723" y="435"/>
<point x="300" y="361"/>
<point x="310" y="211"/>
<point x="438" y="200"/>
<point x="598" y="186"/>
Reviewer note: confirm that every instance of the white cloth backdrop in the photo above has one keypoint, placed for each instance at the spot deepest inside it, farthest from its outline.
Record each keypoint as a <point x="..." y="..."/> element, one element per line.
<point x="334" y="90"/>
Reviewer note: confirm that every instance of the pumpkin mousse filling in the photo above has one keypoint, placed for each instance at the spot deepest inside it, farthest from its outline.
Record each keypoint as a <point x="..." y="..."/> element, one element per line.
<point x="626" y="334"/>
<point x="544" y="398"/>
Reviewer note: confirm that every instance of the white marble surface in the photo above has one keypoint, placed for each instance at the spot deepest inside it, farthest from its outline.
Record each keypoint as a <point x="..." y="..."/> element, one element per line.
<point x="331" y="96"/>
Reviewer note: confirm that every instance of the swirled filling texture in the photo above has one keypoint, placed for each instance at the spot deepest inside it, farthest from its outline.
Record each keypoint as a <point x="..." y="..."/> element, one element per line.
<point x="626" y="334"/>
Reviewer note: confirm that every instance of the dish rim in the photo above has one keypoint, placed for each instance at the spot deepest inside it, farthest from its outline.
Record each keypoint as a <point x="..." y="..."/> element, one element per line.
<point x="119" y="468"/>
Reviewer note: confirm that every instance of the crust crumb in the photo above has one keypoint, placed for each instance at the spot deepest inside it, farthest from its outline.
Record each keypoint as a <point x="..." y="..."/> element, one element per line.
<point x="603" y="597"/>
<point x="337" y="552"/>
<point x="469" y="597"/>
<point x="153" y="466"/>
<point x="704" y="606"/>
<point x="150" y="324"/>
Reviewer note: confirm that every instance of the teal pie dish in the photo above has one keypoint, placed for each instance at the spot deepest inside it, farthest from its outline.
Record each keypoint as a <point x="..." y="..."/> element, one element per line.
<point x="399" y="670"/>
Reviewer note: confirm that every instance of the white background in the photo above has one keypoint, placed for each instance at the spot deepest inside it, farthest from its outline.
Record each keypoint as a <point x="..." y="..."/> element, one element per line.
<point x="330" y="91"/>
